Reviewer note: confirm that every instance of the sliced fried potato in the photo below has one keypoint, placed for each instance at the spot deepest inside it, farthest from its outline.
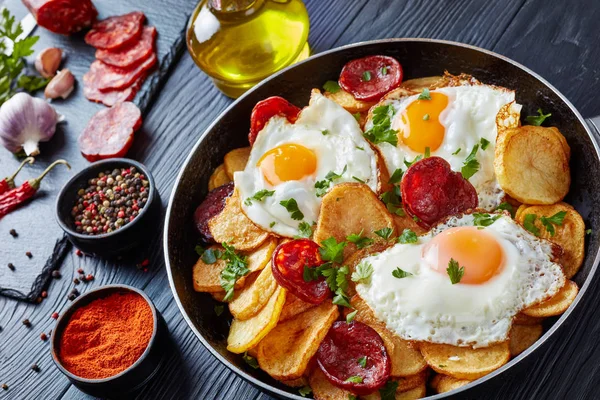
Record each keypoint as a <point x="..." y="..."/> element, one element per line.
<point x="522" y="337"/>
<point x="522" y="319"/>
<point x="218" y="178"/>
<point x="405" y="222"/>
<point x="352" y="208"/>
<point x="531" y="165"/>
<point x="444" y="383"/>
<point x="244" y="335"/>
<point x="557" y="304"/>
<point x="236" y="160"/>
<point x="418" y="84"/>
<point x="261" y="256"/>
<point x="286" y="351"/>
<point x="465" y="362"/>
<point x="414" y="393"/>
<point x="300" y="382"/>
<point x="207" y="277"/>
<point x="348" y="101"/>
<point x="250" y="300"/>
<point x="570" y="235"/>
<point x="233" y="227"/>
<point x="293" y="306"/>
<point x="325" y="390"/>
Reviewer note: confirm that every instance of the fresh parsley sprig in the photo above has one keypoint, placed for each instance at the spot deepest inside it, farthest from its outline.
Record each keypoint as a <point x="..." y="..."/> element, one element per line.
<point x="388" y="391"/>
<point x="362" y="273"/>
<point x="392" y="201"/>
<point x="408" y="236"/>
<point x="381" y="132"/>
<point x="400" y="273"/>
<point x="359" y="240"/>
<point x="322" y="186"/>
<point x="529" y="224"/>
<point x="549" y="222"/>
<point x="455" y="271"/>
<point x="471" y="165"/>
<point x="539" y="119"/>
<point x="305" y="230"/>
<point x="235" y="269"/>
<point x="259" y="196"/>
<point x="384" y="233"/>
<point x="483" y="219"/>
<point x="292" y="206"/>
<point x="331" y="87"/>
<point x="506" y="207"/>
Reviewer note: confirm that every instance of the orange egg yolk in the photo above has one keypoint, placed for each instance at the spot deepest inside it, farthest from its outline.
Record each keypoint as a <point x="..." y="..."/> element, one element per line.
<point x="476" y="250"/>
<point x="419" y="126"/>
<point x="288" y="162"/>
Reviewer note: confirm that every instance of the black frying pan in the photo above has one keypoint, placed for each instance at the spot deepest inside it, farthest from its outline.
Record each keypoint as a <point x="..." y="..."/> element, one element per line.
<point x="419" y="58"/>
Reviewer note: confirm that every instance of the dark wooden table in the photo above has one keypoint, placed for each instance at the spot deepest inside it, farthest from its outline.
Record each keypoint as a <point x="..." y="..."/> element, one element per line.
<point x="557" y="39"/>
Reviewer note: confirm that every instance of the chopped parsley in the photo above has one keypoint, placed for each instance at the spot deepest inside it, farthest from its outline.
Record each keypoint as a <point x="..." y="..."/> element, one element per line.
<point x="341" y="284"/>
<point x="305" y="230"/>
<point x="388" y="391"/>
<point x="426" y="117"/>
<point x="381" y="131"/>
<point x="323" y="185"/>
<point x="251" y="361"/>
<point x="400" y="273"/>
<point x="210" y="256"/>
<point x="549" y="222"/>
<point x="331" y="250"/>
<point x="384" y="70"/>
<point x="199" y="250"/>
<point x="410" y="163"/>
<point x="259" y="196"/>
<point x="427" y="153"/>
<point x="362" y="273"/>
<point x="357" y="179"/>
<point x="539" y="119"/>
<point x="455" y="272"/>
<point x="484" y="143"/>
<point x="408" y="236"/>
<point x="396" y="176"/>
<point x="529" y="224"/>
<point x="332" y="86"/>
<point x="357" y="116"/>
<point x="292" y="206"/>
<point x="362" y="361"/>
<point x="352" y="396"/>
<point x="482" y="219"/>
<point x="235" y="269"/>
<point x="457" y="151"/>
<point x="219" y="308"/>
<point x="359" y="240"/>
<point x="384" y="232"/>
<point x="325" y="132"/>
<point x="305" y="391"/>
<point x="350" y="316"/>
<point x="360" y="148"/>
<point x="392" y="201"/>
<point x="506" y="207"/>
<point x="471" y="165"/>
<point x="272" y="224"/>
<point x="425" y="95"/>
<point x="588" y="231"/>
<point x="355" y="379"/>
<point x="366" y="76"/>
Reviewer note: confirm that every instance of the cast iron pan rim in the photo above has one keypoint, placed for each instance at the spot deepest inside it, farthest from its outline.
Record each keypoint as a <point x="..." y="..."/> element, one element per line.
<point x="278" y="392"/>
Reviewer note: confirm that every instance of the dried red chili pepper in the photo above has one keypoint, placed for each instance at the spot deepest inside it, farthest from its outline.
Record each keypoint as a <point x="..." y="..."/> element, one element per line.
<point x="8" y="183"/>
<point x="12" y="199"/>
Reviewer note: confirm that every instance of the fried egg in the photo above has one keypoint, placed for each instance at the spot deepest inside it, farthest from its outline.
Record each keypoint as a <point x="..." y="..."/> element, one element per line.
<point x="450" y="124"/>
<point x="300" y="162"/>
<point x="506" y="269"/>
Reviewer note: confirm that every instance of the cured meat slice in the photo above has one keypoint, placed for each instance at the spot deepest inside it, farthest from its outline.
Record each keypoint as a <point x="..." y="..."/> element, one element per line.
<point x="353" y="357"/>
<point x="431" y="191"/>
<point x="212" y="205"/>
<point x="62" y="16"/>
<point x="134" y="54"/>
<point x="267" y="108"/>
<point x="112" y="97"/>
<point x="106" y="78"/>
<point x="371" y="77"/>
<point x="114" y="32"/>
<point x="289" y="262"/>
<point x="109" y="133"/>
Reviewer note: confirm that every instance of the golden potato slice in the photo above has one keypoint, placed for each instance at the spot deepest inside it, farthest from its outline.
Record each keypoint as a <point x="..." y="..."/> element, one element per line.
<point x="415" y="393"/>
<point x="261" y="256"/>
<point x="531" y="165"/>
<point x="233" y="227"/>
<point x="207" y="277"/>
<point x="300" y="382"/>
<point x="444" y="383"/>
<point x="218" y="178"/>
<point x="352" y="208"/>
<point x="396" y="94"/>
<point x="325" y="390"/>
<point x="293" y="306"/>
<point x="405" y="222"/>
<point x="348" y="101"/>
<point x="418" y="84"/>
<point x="570" y="235"/>
<point x="286" y="351"/>
<point x="557" y="304"/>
<point x="523" y="336"/>
<point x="253" y="297"/>
<point x="465" y="362"/>
<point x="244" y="335"/>
<point x="522" y="319"/>
<point x="236" y="160"/>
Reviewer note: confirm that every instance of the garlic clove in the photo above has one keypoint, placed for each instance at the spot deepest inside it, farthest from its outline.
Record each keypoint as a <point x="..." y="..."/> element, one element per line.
<point x="61" y="85"/>
<point x="48" y="61"/>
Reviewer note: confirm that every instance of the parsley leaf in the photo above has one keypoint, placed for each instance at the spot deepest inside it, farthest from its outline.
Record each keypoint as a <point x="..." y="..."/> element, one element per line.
<point x="529" y="224"/>
<point x="408" y="236"/>
<point x="235" y="269"/>
<point x="484" y="143"/>
<point x="400" y="273"/>
<point x="272" y="224"/>
<point x="388" y="391"/>
<point x="332" y="176"/>
<point x="425" y="95"/>
<point x="357" y="116"/>
<point x="292" y="206"/>
<point x="360" y="148"/>
<point x="381" y="131"/>
<point x="588" y="231"/>
<point x="199" y="250"/>
<point x="305" y="230"/>
<point x="384" y="70"/>
<point x="219" y="308"/>
<point x="362" y="361"/>
<point x="455" y="272"/>
<point x="323" y="185"/>
<point x="396" y="176"/>
<point x="366" y="76"/>
<point x="305" y="391"/>
<point x="251" y="361"/>
<point x="331" y="86"/>
<point x="549" y="222"/>
<point x="471" y="165"/>
<point x="392" y="201"/>
<point x="427" y="153"/>
<point x="355" y="379"/>
<point x="210" y="256"/>
<point x="341" y="299"/>
<point x="410" y="163"/>
<point x="357" y="179"/>
<point x="362" y="273"/>
<point x="259" y="196"/>
<point x="310" y="274"/>
<point x="384" y="232"/>
<point x="350" y="316"/>
<point x="426" y="117"/>
<point x="331" y="250"/>
<point x="539" y="119"/>
<point x="508" y="207"/>
<point x="359" y="240"/>
<point x="482" y="219"/>
<point x="457" y="151"/>
<point x="325" y="132"/>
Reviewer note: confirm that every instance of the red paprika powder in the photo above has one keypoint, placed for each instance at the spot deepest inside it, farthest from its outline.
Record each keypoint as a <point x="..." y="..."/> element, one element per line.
<point x="106" y="336"/>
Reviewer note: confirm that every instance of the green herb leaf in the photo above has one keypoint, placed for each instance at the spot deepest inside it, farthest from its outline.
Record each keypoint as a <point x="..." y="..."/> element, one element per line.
<point x="549" y="222"/>
<point x="482" y="219"/>
<point x="384" y="70"/>
<point x="388" y="391"/>
<point x="210" y="256"/>
<point x="457" y="151"/>
<point x="366" y="76"/>
<point x="427" y="152"/>
<point x="362" y="361"/>
<point x="539" y="119"/>
<point x="381" y="132"/>
<point x="408" y="236"/>
<point x="251" y="361"/>
<point x="272" y="224"/>
<point x="400" y="273"/>
<point x="359" y="240"/>
<point x="332" y="86"/>
<point x="426" y="117"/>
<point x="455" y="272"/>
<point x="484" y="143"/>
<point x="305" y="230"/>
<point x="384" y="232"/>
<point x="529" y="224"/>
<point x="588" y="231"/>
<point x="235" y="269"/>
<point x="506" y="207"/>
<point x="355" y="379"/>
<point x="396" y="176"/>
<point x="259" y="196"/>
<point x="410" y="163"/>
<point x="362" y="273"/>
<point x="350" y="316"/>
<point x="219" y="308"/>
<point x="357" y="179"/>
<point x="360" y="148"/>
<point x="392" y="201"/>
<point x="325" y="132"/>
<point x="357" y="116"/>
<point x="341" y="299"/>
<point x="310" y="274"/>
<point x="199" y="250"/>
<point x="331" y="250"/>
<point x="471" y="165"/>
<point x="425" y="95"/>
<point x="292" y="207"/>
<point x="305" y="391"/>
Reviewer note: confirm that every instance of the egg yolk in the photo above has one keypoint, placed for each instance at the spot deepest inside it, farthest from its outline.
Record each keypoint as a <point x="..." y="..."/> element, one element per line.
<point x="476" y="250"/>
<point x="288" y="162"/>
<point x="419" y="126"/>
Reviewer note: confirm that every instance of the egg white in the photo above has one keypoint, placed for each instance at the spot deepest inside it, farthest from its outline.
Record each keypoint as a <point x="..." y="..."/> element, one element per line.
<point x="428" y="307"/>
<point x="335" y="137"/>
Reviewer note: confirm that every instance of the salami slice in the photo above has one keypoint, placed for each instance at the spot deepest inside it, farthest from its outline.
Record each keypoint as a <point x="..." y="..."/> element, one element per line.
<point x="106" y="78"/>
<point x="132" y="55"/>
<point x="267" y="108"/>
<point x="340" y="357"/>
<point x="114" y="32"/>
<point x="113" y="97"/>
<point x="431" y="191"/>
<point x="62" y="16"/>
<point x="288" y="263"/>
<point x="369" y="78"/>
<point x="109" y="133"/>
<point x="212" y="205"/>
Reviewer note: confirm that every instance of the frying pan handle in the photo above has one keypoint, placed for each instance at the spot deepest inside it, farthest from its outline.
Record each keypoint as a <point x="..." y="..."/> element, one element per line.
<point x="594" y="124"/>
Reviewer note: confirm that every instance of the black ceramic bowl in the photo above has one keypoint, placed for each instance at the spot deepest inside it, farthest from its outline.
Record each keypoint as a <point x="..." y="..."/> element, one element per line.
<point x="117" y="242"/>
<point x="419" y="58"/>
<point x="124" y="384"/>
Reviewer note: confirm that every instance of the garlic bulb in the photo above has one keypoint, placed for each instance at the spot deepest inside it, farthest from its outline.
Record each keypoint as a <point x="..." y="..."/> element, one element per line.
<point x="48" y="61"/>
<point x="61" y="85"/>
<point x="25" y="121"/>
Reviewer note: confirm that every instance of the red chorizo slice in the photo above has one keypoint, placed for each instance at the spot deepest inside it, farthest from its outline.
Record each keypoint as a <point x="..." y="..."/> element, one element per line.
<point x="369" y="78"/>
<point x="288" y="263"/>
<point x="62" y="16"/>
<point x="431" y="191"/>
<point x="131" y="55"/>
<point x="267" y="108"/>
<point x="114" y="32"/>
<point x="113" y="97"/>
<point x="212" y="205"/>
<point x="106" y="78"/>
<point x="353" y="357"/>
<point x="109" y="133"/>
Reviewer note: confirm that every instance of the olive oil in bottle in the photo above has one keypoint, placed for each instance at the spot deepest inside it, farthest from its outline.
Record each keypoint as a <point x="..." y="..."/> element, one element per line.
<point x="238" y="43"/>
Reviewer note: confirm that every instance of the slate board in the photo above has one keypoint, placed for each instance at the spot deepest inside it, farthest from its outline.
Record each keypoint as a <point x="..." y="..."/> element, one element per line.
<point x="35" y="222"/>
